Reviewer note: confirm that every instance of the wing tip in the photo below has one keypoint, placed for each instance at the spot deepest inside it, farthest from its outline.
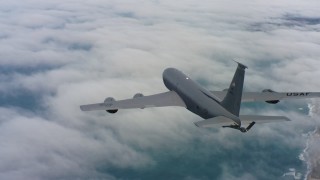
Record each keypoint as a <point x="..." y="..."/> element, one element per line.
<point x="86" y="107"/>
<point x="286" y="118"/>
<point x="82" y="108"/>
<point x="196" y="124"/>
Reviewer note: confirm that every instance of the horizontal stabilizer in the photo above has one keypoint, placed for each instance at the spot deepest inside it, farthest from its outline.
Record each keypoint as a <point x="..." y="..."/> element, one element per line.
<point x="215" y="122"/>
<point x="247" y="119"/>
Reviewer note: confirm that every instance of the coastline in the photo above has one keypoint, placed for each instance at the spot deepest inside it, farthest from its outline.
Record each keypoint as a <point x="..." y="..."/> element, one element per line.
<point x="311" y="153"/>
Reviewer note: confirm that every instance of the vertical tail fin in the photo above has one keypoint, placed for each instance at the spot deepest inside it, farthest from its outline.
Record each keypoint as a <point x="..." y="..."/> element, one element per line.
<point x="232" y="100"/>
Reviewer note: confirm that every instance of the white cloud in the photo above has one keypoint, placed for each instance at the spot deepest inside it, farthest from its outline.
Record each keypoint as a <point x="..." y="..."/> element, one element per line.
<point x="70" y="53"/>
<point x="39" y="148"/>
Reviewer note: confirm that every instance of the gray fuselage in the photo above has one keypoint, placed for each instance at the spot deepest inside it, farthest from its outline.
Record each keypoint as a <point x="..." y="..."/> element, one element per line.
<point x="197" y="99"/>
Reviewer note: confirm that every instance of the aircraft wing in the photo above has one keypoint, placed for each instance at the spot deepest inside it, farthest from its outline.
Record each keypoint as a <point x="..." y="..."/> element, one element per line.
<point x="245" y="119"/>
<point x="269" y="96"/>
<point x="169" y="98"/>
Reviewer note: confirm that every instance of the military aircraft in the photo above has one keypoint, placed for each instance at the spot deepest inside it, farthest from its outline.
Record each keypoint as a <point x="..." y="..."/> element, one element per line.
<point x="215" y="107"/>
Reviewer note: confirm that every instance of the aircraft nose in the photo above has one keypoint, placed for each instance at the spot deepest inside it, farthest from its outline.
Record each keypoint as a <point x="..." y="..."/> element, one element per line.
<point x="168" y="71"/>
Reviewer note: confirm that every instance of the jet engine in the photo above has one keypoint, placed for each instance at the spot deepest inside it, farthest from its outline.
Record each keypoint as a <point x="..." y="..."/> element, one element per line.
<point x="138" y="95"/>
<point x="270" y="91"/>
<point x="108" y="101"/>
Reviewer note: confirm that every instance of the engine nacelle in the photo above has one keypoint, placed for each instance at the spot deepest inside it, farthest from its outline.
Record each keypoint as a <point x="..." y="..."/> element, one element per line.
<point x="268" y="90"/>
<point x="138" y="95"/>
<point x="271" y="91"/>
<point x="112" y="111"/>
<point x="273" y="102"/>
<point x="108" y="102"/>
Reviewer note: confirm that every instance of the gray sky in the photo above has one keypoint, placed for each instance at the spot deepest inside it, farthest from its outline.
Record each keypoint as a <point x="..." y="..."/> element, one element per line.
<point x="56" y="55"/>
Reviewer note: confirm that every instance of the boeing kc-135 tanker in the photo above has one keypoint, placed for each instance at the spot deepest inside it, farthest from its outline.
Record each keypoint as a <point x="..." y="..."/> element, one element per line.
<point x="217" y="108"/>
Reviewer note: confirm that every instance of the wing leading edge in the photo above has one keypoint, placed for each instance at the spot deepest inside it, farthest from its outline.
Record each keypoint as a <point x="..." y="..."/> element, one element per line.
<point x="169" y="98"/>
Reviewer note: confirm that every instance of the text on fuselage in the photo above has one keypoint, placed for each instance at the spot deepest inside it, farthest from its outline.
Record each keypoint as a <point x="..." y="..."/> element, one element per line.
<point x="298" y="94"/>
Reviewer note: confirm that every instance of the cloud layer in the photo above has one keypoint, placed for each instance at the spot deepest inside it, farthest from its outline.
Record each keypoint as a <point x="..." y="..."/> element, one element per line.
<point x="56" y="55"/>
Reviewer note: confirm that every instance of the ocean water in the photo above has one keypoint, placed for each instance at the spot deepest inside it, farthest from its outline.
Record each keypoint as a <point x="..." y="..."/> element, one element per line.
<point x="208" y="160"/>
<point x="254" y="155"/>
